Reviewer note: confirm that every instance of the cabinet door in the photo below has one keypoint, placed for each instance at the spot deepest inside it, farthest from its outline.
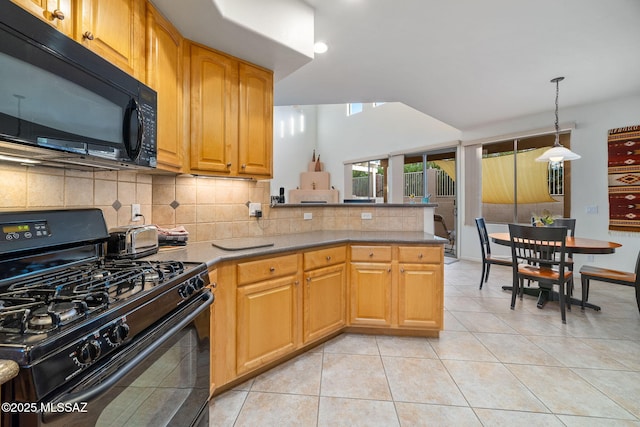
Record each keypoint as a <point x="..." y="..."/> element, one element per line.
<point x="214" y="111"/>
<point x="420" y="296"/>
<point x="266" y="322"/>
<point x="165" y="75"/>
<point x="370" y="294"/>
<point x="56" y="13"/>
<point x="324" y="304"/>
<point x="114" y="30"/>
<point x="255" y="144"/>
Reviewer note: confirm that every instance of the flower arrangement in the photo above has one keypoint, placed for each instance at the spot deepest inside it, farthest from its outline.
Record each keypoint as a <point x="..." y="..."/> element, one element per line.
<point x="543" y="219"/>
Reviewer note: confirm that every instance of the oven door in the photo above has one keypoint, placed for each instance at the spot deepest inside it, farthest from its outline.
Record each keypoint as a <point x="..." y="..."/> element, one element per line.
<point x="161" y="379"/>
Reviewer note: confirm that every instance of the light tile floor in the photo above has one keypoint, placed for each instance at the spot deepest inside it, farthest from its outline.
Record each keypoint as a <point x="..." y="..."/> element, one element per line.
<point x="491" y="366"/>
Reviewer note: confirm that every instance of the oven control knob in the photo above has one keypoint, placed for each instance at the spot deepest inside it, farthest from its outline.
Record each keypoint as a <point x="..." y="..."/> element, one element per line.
<point x="186" y="291"/>
<point x="198" y="282"/>
<point x="88" y="352"/>
<point x="118" y="333"/>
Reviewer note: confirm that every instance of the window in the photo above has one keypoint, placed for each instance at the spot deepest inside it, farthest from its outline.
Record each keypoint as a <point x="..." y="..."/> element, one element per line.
<point x="354" y="108"/>
<point x="368" y="178"/>
<point x="515" y="186"/>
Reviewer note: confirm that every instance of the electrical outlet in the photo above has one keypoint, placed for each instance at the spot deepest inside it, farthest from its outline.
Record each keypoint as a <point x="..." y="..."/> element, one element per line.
<point x="135" y="212"/>
<point x="254" y="207"/>
<point x="366" y="215"/>
<point x="308" y="215"/>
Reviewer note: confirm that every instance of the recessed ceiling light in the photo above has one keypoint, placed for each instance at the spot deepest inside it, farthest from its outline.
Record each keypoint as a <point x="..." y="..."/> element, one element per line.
<point x="320" y="47"/>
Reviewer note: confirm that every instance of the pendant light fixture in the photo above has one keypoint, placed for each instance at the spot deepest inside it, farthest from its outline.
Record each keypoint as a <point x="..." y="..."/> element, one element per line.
<point x="557" y="153"/>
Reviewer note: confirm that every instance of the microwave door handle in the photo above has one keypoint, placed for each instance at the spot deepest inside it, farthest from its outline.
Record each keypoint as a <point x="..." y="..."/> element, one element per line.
<point x="92" y="393"/>
<point x="133" y="109"/>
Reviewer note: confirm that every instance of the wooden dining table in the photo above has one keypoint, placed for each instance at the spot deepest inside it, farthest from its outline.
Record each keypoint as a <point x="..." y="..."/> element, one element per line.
<point x="574" y="245"/>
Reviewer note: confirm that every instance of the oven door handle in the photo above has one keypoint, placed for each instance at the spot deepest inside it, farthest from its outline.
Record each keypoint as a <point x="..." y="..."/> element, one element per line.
<point x="90" y="394"/>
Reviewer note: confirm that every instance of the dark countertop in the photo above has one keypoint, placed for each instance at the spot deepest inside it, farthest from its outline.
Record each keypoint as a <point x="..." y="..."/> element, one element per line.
<point x="256" y="246"/>
<point x="355" y="205"/>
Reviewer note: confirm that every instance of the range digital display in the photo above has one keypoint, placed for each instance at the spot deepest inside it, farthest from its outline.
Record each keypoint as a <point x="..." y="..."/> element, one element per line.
<point x="18" y="228"/>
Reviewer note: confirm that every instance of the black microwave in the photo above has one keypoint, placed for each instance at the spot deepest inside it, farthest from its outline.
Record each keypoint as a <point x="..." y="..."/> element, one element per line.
<point x="63" y="105"/>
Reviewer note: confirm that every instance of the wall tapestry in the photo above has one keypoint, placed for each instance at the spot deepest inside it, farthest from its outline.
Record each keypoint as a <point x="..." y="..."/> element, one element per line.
<point x="624" y="179"/>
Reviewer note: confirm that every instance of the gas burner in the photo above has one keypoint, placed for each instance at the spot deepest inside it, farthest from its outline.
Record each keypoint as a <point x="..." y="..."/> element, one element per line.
<point x="46" y="318"/>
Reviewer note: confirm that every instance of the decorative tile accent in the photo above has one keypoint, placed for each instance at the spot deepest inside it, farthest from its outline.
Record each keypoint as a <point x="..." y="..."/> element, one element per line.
<point x="174" y="204"/>
<point x="116" y="205"/>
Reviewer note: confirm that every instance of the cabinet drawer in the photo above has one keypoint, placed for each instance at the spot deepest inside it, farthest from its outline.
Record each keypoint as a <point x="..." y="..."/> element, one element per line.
<point x="371" y="253"/>
<point x="254" y="271"/>
<point x="421" y="254"/>
<point x="324" y="257"/>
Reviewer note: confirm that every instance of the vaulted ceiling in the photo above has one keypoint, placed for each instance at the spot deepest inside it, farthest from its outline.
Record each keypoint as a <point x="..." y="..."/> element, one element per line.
<point x="464" y="62"/>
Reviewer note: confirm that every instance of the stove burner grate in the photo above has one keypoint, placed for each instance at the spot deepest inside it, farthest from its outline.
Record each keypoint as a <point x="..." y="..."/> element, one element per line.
<point x="46" y="301"/>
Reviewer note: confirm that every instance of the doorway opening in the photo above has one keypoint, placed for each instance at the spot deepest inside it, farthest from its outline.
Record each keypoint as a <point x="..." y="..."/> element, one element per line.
<point x="431" y="177"/>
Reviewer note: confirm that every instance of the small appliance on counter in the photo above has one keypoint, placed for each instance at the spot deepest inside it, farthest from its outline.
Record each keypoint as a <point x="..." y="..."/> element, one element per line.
<point x="132" y="241"/>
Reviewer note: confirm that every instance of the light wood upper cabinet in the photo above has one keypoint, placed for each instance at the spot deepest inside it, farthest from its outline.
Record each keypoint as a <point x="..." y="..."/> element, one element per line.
<point x="231" y="116"/>
<point x="255" y="144"/>
<point x="57" y="13"/>
<point x="114" y="30"/>
<point x="214" y="111"/>
<point x="165" y="74"/>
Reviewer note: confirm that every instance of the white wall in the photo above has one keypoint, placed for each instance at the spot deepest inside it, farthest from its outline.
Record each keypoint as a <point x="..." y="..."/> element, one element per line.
<point x="394" y="127"/>
<point x="374" y="133"/>
<point x="292" y="153"/>
<point x="588" y="176"/>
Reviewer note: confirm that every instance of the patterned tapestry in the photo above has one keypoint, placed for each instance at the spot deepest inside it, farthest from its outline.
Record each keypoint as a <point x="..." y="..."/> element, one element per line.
<point x="624" y="179"/>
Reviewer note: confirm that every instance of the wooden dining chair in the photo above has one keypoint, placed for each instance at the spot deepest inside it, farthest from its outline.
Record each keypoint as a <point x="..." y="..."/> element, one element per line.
<point x="539" y="255"/>
<point x="625" y="278"/>
<point x="487" y="258"/>
<point x="570" y="223"/>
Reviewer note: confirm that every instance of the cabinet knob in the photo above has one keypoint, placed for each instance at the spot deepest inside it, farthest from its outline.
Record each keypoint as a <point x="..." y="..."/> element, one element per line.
<point x="402" y="270"/>
<point x="88" y="35"/>
<point x="244" y="166"/>
<point x="308" y="279"/>
<point x="228" y="165"/>
<point x="328" y="257"/>
<point x="389" y="271"/>
<point x="214" y="284"/>
<point x="370" y="254"/>
<point x="419" y="256"/>
<point x="57" y="14"/>
<point x="296" y="283"/>
<point x="272" y="269"/>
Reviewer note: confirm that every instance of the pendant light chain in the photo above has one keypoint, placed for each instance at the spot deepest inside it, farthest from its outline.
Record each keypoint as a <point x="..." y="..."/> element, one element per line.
<point x="557" y="93"/>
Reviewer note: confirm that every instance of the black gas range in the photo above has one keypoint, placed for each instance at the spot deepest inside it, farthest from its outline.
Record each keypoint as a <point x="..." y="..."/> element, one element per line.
<point x="72" y="318"/>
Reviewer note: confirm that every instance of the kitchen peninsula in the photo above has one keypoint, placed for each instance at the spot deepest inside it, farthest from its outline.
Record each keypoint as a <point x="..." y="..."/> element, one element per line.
<point x="278" y="296"/>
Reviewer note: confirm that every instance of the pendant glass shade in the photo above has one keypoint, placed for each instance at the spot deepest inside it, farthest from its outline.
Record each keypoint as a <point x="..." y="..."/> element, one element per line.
<point x="557" y="153"/>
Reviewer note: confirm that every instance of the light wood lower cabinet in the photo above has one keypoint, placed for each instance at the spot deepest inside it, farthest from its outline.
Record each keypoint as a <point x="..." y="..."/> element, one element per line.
<point x="420" y="296"/>
<point x="324" y="301"/>
<point x="268" y="309"/>
<point x="267" y="321"/>
<point x="405" y="291"/>
<point x="370" y="294"/>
